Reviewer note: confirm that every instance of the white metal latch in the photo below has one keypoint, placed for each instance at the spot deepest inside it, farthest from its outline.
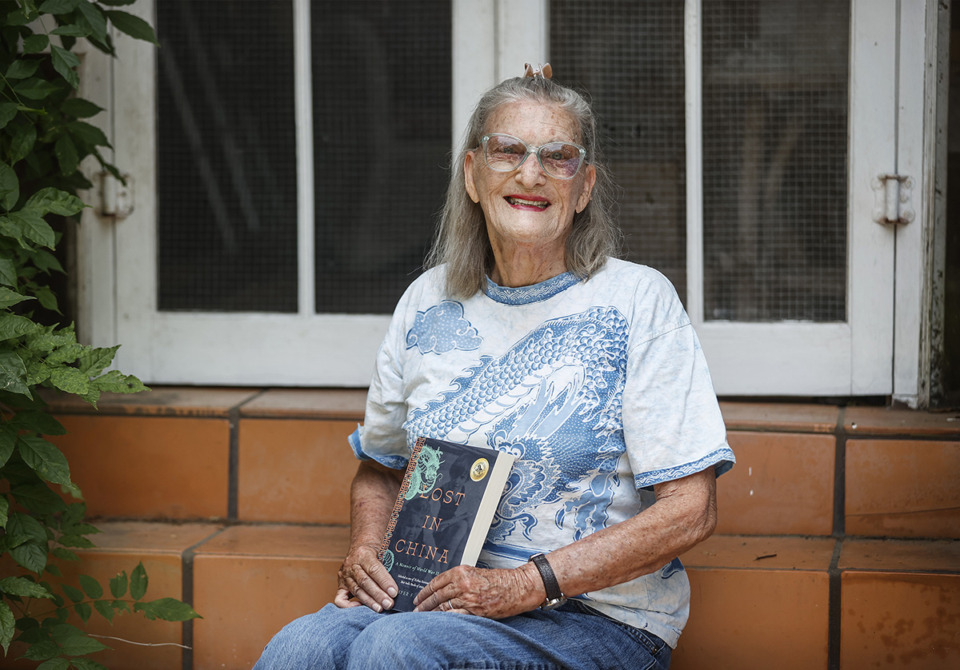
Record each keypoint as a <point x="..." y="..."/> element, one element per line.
<point x="116" y="197"/>
<point x="892" y="201"/>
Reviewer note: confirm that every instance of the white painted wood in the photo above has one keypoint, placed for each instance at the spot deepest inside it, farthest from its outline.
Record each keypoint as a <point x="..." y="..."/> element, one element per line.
<point x="94" y="273"/>
<point x="474" y="68"/>
<point x="303" y="100"/>
<point x="201" y="348"/>
<point x="522" y="29"/>
<point x="491" y="40"/>
<point x="917" y="104"/>
<point x="796" y="358"/>
<point x="693" y="104"/>
<point x="872" y="147"/>
<point x="804" y="359"/>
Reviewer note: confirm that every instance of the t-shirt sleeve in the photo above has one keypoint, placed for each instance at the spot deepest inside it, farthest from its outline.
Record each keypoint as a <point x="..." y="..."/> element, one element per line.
<point x="671" y="417"/>
<point x="382" y="437"/>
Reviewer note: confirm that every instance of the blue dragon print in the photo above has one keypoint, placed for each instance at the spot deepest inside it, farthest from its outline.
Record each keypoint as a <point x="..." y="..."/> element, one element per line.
<point x="554" y="400"/>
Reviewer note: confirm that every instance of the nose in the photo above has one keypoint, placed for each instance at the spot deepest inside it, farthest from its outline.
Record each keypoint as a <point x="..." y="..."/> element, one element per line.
<point x="530" y="173"/>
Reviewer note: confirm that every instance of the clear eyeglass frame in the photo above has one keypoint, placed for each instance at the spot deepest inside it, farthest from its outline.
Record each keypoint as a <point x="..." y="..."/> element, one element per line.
<point x="535" y="150"/>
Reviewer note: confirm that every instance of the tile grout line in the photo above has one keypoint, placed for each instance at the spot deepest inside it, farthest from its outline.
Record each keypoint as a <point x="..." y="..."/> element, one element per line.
<point x="186" y="588"/>
<point x="233" y="458"/>
<point x="834" y="607"/>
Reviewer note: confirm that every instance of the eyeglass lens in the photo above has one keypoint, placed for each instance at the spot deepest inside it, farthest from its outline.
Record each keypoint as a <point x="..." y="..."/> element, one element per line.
<point x="505" y="153"/>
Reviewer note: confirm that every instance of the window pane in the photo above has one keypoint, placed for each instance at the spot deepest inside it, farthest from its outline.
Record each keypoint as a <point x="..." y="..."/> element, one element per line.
<point x="227" y="156"/>
<point x="381" y="101"/>
<point x="774" y="159"/>
<point x="628" y="57"/>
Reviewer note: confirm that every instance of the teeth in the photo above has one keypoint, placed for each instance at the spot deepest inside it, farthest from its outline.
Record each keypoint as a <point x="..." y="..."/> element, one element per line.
<point x="532" y="203"/>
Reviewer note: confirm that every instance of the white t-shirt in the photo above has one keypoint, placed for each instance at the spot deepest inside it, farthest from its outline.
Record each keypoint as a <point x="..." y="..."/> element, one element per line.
<point x="599" y="387"/>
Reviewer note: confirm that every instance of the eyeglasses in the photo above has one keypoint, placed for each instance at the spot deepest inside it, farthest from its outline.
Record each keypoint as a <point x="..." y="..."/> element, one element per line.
<point x="506" y="153"/>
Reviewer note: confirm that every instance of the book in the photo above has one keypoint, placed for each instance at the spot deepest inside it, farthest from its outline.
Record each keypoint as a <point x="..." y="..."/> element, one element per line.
<point x="443" y="511"/>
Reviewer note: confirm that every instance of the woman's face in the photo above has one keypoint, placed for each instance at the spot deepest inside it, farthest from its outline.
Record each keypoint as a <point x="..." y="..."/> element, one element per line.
<point x="526" y="209"/>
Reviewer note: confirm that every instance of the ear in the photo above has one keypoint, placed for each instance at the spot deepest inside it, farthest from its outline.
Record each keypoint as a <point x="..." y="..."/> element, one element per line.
<point x="468" y="164"/>
<point x="589" y="179"/>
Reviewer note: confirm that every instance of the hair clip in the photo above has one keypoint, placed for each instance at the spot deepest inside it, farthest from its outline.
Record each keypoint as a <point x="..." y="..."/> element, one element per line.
<point x="542" y="71"/>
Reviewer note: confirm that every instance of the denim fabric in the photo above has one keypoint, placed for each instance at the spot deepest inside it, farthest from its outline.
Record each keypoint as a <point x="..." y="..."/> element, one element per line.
<point x="358" y="638"/>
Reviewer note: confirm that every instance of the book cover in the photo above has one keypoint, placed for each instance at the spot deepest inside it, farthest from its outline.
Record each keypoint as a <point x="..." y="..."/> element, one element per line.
<point x="443" y="511"/>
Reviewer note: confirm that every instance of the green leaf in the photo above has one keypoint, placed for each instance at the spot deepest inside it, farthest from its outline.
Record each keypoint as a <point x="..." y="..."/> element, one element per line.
<point x="105" y="608"/>
<point x="54" y="201"/>
<point x="73" y="540"/>
<point x="93" y="361"/>
<point x="88" y="134"/>
<point x="12" y="325"/>
<point x="38" y="498"/>
<point x="64" y="63"/>
<point x="72" y="592"/>
<point x="168" y="609"/>
<point x="23" y="587"/>
<point x="9" y="298"/>
<point x="22" y="68"/>
<point x="8" y="110"/>
<point x="48" y="299"/>
<point x="133" y="26"/>
<point x="121" y="605"/>
<point x="7" y="627"/>
<point x="91" y="586"/>
<point x="70" y="380"/>
<point x="26" y="526"/>
<point x="27" y="223"/>
<point x="118" y="585"/>
<point x="73" y="641"/>
<point x="35" y="44"/>
<point x="45" y="459"/>
<point x="41" y="651"/>
<point x="54" y="664"/>
<point x="73" y="30"/>
<point x="58" y="6"/>
<point x="87" y="664"/>
<point x="36" y="88"/>
<point x="8" y="273"/>
<point x="95" y="18"/>
<point x="80" y="108"/>
<point x="64" y="554"/>
<point x="83" y="610"/>
<point x="31" y="555"/>
<point x="138" y="582"/>
<point x="46" y="262"/>
<point x="9" y="187"/>
<point x="39" y="421"/>
<point x="13" y="375"/>
<point x="52" y="569"/>
<point x="117" y="382"/>
<point x="67" y="155"/>
<point x="4" y="510"/>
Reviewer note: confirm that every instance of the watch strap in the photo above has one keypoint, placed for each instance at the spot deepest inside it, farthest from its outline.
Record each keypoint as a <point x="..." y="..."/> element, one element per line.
<point x="555" y="596"/>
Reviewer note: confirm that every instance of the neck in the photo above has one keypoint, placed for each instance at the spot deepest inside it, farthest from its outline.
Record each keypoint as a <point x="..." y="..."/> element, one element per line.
<point x="525" y="270"/>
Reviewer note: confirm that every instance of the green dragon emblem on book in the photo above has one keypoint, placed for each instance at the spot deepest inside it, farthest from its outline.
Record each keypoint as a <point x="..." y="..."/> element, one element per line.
<point x="425" y="474"/>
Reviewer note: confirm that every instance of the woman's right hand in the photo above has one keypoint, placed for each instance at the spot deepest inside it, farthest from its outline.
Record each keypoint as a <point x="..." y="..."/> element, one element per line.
<point x="362" y="580"/>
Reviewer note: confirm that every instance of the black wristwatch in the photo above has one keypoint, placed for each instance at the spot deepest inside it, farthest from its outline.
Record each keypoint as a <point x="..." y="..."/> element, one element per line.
<point x="555" y="596"/>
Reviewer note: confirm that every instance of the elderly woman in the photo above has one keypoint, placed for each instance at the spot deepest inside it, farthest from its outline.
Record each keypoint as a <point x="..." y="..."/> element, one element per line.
<point x="526" y="336"/>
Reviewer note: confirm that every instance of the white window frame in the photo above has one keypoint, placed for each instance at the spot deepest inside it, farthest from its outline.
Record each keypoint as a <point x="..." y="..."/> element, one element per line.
<point x="491" y="41"/>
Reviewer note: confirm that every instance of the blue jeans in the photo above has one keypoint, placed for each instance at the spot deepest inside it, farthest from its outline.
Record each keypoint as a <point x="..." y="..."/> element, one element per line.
<point x="571" y="636"/>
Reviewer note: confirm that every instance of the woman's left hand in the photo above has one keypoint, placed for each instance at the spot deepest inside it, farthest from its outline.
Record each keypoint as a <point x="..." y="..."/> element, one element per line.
<point x="495" y="594"/>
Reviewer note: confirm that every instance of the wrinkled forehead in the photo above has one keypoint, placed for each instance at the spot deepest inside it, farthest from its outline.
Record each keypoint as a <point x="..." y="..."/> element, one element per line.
<point x="533" y="121"/>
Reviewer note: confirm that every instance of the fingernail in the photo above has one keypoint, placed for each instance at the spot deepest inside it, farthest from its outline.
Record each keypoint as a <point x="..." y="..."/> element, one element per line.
<point x="379" y="609"/>
<point x="392" y="591"/>
<point x="386" y="604"/>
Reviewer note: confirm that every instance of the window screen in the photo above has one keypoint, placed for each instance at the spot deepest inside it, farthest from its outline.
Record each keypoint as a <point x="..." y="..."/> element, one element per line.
<point x="774" y="159"/>
<point x="381" y="100"/>
<point x="628" y="58"/>
<point x="227" y="156"/>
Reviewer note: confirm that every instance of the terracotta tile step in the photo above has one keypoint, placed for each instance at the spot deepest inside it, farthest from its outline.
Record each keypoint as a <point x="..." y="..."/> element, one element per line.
<point x="802" y="602"/>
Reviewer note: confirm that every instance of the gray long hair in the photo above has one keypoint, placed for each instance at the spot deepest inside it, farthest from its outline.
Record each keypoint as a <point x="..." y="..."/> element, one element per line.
<point x="462" y="241"/>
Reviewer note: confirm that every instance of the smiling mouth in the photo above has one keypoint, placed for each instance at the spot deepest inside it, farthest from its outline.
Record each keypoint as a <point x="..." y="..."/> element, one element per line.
<point x="522" y="202"/>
